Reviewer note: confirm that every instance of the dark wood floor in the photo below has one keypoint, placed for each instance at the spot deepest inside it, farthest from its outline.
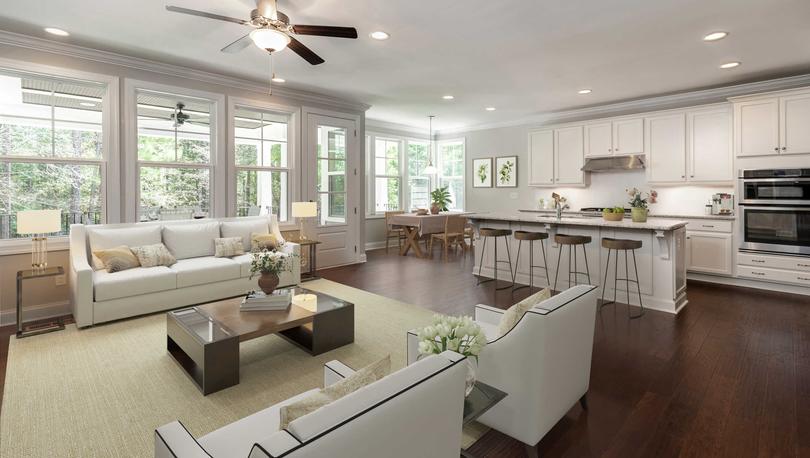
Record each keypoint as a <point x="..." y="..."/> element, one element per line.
<point x="729" y="376"/>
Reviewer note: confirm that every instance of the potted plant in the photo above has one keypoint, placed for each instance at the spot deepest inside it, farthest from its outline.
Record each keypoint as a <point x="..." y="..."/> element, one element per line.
<point x="268" y="264"/>
<point x="638" y="204"/>
<point x="459" y="334"/>
<point x="613" y="214"/>
<point x="440" y="198"/>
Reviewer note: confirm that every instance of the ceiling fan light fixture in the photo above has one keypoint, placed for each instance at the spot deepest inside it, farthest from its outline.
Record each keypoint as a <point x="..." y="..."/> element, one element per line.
<point x="270" y="39"/>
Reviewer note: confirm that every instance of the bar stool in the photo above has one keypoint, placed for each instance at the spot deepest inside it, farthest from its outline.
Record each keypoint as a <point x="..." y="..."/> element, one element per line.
<point x="531" y="237"/>
<point x="486" y="233"/>
<point x="572" y="241"/>
<point x="622" y="245"/>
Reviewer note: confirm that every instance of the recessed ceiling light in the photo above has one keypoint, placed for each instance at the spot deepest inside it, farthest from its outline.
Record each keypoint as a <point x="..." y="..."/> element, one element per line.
<point x="87" y="104"/>
<point x="490" y="108"/>
<point x="448" y="97"/>
<point x="730" y="65"/>
<point x="584" y="91"/>
<point x="714" y="36"/>
<point x="276" y="79"/>
<point x="379" y="35"/>
<point x="55" y="31"/>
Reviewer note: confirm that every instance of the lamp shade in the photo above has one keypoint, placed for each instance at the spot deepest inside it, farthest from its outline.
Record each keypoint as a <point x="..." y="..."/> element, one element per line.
<point x="304" y="209"/>
<point x="39" y="221"/>
<point x="270" y="39"/>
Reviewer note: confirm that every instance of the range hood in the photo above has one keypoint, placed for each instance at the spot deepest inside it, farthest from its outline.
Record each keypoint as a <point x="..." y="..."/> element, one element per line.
<point x="614" y="163"/>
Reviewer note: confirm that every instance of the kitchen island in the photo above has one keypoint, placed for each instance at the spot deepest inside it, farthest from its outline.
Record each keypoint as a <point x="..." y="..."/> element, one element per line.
<point x="661" y="259"/>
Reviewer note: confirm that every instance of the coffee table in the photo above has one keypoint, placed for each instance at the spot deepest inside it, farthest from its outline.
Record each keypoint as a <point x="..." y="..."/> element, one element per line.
<point x="204" y="339"/>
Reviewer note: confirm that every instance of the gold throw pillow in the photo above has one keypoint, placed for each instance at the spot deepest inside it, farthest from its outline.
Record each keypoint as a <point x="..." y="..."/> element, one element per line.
<point x="263" y="241"/>
<point x="154" y="255"/>
<point x="117" y="259"/>
<point x="512" y="315"/>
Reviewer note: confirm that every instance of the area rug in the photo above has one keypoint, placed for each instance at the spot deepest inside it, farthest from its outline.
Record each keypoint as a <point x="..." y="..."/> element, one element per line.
<point x="102" y="391"/>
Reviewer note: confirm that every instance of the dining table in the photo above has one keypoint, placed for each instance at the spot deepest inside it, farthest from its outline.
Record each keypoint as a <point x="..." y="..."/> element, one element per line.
<point x="415" y="226"/>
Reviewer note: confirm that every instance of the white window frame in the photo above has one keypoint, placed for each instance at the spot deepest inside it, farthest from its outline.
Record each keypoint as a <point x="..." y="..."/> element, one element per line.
<point x="407" y="175"/>
<point x="293" y="152"/>
<point x="108" y="163"/>
<point x="440" y="166"/>
<point x="404" y="176"/>
<point x="399" y="177"/>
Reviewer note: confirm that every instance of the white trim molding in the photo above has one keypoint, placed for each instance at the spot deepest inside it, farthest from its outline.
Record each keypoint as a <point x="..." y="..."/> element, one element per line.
<point x="35" y="312"/>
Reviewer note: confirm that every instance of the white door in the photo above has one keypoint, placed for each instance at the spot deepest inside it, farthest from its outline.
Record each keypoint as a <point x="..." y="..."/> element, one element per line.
<point x="541" y="158"/>
<point x="598" y="141"/>
<point x="666" y="148"/>
<point x="794" y="123"/>
<point x="333" y="182"/>
<point x="710" y="156"/>
<point x="757" y="127"/>
<point x="628" y="136"/>
<point x="568" y="156"/>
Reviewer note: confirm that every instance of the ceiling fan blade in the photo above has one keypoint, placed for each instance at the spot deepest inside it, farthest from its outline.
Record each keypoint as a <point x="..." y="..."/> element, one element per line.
<point x="177" y="9"/>
<point x="238" y="45"/>
<point x="267" y="8"/>
<point x="325" y="31"/>
<point x="309" y="56"/>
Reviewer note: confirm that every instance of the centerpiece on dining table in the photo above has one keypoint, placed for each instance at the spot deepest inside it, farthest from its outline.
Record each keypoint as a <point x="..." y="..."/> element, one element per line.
<point x="440" y="199"/>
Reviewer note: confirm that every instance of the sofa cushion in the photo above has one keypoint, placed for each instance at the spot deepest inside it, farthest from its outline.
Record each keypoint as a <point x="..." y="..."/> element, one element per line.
<point x="117" y="259"/>
<point x="267" y="241"/>
<point x="228" y="247"/>
<point x="132" y="282"/>
<point x="237" y="438"/>
<point x="199" y="271"/>
<point x="244" y="263"/>
<point x="191" y="240"/>
<point x="153" y="255"/>
<point x="514" y="313"/>
<point x="102" y="238"/>
<point x="244" y="229"/>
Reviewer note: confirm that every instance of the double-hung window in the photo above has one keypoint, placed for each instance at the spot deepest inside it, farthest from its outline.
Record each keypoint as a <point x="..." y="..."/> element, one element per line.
<point x="387" y="175"/>
<point x="51" y="149"/>
<point x="418" y="182"/>
<point x="451" y="171"/>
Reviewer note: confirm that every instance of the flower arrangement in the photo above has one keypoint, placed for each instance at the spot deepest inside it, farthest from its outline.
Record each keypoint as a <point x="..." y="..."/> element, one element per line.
<point x="636" y="201"/>
<point x="270" y="262"/>
<point x="459" y="334"/>
<point x="560" y="202"/>
<point x="440" y="197"/>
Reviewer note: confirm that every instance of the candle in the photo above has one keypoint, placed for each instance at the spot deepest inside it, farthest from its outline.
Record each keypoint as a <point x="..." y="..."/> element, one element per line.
<point x="306" y="301"/>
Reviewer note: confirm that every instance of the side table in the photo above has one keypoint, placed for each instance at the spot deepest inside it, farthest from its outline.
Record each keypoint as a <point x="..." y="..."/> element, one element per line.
<point x="37" y="329"/>
<point x="313" y="253"/>
<point x="482" y="398"/>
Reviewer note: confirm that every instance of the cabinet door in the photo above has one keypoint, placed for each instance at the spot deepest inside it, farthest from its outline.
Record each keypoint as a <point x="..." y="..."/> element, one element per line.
<point x="541" y="158"/>
<point x="794" y="124"/>
<point x="756" y="125"/>
<point x="710" y="156"/>
<point x="568" y="157"/>
<point x="666" y="148"/>
<point x="708" y="252"/>
<point x="598" y="141"/>
<point x="628" y="136"/>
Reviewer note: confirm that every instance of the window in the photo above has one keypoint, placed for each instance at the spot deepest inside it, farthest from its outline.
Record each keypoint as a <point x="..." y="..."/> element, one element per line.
<point x="395" y="174"/>
<point x="174" y="155"/>
<point x="51" y="149"/>
<point x="331" y="179"/>
<point x="386" y="175"/>
<point x="262" y="162"/>
<point x="451" y="171"/>
<point x="418" y="182"/>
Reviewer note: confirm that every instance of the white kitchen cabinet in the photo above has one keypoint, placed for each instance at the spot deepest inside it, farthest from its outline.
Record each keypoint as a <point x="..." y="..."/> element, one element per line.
<point x="710" y="155"/>
<point x="756" y="126"/>
<point x="568" y="155"/>
<point x="665" y="144"/>
<point x="628" y="136"/>
<point x="599" y="139"/>
<point x="794" y="124"/>
<point x="541" y="158"/>
<point x="709" y="252"/>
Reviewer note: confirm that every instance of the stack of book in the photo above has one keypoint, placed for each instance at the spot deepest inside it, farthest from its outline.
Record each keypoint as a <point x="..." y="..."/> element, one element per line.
<point x="257" y="300"/>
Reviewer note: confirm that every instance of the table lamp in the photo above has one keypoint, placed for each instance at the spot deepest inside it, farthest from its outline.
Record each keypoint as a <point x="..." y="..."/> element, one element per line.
<point x="37" y="223"/>
<point x="301" y="210"/>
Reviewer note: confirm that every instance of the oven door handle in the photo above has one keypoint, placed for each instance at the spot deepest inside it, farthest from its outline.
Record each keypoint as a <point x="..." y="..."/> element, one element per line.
<point x="775" y="180"/>
<point x="773" y="207"/>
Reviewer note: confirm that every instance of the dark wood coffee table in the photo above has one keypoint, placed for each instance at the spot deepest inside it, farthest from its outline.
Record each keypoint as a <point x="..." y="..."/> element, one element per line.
<point x="204" y="340"/>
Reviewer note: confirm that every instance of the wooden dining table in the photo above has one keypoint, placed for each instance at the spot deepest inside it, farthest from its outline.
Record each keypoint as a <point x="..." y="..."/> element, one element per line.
<point x="416" y="226"/>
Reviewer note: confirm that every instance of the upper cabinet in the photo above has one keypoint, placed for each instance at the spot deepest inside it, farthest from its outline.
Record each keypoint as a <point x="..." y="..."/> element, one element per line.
<point x="541" y="158"/>
<point x="794" y="124"/>
<point x="666" y="148"/>
<point x="555" y="157"/>
<point x="622" y="136"/>
<point x="772" y="124"/>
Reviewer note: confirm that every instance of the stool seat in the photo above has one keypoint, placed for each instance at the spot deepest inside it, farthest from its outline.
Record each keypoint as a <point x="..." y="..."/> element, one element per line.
<point x="525" y="235"/>
<point x="620" y="244"/>
<point x="489" y="232"/>
<point x="563" y="239"/>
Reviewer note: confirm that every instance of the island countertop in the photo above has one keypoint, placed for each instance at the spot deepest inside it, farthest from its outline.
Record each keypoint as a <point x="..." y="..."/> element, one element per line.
<point x="652" y="223"/>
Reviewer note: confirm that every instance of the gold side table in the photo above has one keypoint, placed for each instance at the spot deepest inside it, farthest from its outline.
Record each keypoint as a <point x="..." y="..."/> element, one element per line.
<point x="58" y="325"/>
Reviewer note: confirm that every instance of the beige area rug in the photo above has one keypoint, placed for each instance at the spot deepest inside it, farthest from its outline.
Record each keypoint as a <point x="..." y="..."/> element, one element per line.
<point x="101" y="392"/>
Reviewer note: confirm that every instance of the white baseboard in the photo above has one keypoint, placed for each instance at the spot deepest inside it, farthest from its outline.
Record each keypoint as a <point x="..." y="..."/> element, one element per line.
<point x="744" y="282"/>
<point x="35" y="312"/>
<point x="375" y="245"/>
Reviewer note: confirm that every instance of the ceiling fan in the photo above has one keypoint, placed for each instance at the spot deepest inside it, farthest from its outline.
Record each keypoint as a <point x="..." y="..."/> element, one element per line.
<point x="272" y="30"/>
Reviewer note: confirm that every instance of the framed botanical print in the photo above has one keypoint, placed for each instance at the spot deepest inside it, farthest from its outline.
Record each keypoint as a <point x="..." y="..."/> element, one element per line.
<point x="506" y="172"/>
<point x="482" y="173"/>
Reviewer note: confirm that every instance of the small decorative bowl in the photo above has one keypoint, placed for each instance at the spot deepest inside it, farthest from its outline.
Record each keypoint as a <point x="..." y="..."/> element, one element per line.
<point x="421" y="211"/>
<point x="612" y="216"/>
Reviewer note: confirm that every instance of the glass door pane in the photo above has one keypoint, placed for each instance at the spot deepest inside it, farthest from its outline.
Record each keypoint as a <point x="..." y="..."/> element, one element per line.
<point x="331" y="178"/>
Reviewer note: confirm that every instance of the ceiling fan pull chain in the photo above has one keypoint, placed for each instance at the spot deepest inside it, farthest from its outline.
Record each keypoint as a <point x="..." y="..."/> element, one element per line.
<point x="272" y="75"/>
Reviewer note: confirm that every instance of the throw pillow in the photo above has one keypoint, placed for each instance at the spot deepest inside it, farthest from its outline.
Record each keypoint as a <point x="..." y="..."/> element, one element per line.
<point x="228" y="246"/>
<point x="354" y="382"/>
<point x="154" y="255"/>
<point x="263" y="241"/>
<point x="117" y="259"/>
<point x="512" y="315"/>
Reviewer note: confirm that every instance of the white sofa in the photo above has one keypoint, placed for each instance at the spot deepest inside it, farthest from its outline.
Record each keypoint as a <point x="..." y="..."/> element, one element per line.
<point x="98" y="296"/>
<point x="543" y="363"/>
<point x="414" y="412"/>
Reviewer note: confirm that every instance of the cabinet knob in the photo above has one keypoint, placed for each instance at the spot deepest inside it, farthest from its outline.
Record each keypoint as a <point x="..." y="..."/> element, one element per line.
<point x="683" y="176"/>
<point x="784" y="148"/>
<point x="776" y="149"/>
<point x="610" y="149"/>
<point x="691" y="176"/>
<point x="617" y="149"/>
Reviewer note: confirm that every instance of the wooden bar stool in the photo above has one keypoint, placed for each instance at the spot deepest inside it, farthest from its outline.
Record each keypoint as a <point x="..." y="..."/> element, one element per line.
<point x="531" y="237"/>
<point x="572" y="241"/>
<point x="486" y="233"/>
<point x="622" y="245"/>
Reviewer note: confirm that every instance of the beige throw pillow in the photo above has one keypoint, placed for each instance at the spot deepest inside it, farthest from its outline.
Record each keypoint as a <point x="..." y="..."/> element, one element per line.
<point x="227" y="247"/>
<point x="512" y="315"/>
<point x="260" y="242"/>
<point x="315" y="401"/>
<point x="117" y="259"/>
<point x="154" y="255"/>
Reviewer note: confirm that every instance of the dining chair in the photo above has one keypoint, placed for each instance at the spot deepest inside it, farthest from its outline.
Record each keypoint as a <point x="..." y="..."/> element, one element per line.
<point x="391" y="232"/>
<point x="469" y="233"/>
<point x="453" y="234"/>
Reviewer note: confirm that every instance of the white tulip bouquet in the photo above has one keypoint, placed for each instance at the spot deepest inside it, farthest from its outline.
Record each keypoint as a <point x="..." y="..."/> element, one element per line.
<point x="459" y="334"/>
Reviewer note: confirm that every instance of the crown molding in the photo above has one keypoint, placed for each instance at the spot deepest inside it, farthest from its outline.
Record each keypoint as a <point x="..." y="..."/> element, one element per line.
<point x="656" y="103"/>
<point x="107" y="57"/>
<point x="378" y="125"/>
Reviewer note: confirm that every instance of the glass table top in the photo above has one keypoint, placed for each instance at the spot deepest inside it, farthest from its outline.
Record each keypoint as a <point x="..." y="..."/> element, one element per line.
<point x="201" y="325"/>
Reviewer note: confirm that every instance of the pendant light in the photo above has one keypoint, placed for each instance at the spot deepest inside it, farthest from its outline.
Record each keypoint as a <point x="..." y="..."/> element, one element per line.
<point x="430" y="169"/>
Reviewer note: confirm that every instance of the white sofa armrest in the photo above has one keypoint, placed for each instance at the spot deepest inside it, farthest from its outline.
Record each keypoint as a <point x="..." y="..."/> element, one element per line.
<point x="488" y="314"/>
<point x="81" y="277"/>
<point x="174" y="441"/>
<point x="335" y="371"/>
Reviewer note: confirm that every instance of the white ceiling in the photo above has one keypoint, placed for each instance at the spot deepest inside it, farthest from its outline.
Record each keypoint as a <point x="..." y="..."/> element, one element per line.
<point x="521" y="56"/>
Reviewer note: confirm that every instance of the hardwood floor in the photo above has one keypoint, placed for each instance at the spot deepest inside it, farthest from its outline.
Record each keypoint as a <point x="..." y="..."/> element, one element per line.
<point x="729" y="376"/>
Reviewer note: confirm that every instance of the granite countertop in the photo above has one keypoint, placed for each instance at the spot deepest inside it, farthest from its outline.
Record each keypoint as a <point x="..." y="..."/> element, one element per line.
<point x="652" y="224"/>
<point x="656" y="215"/>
